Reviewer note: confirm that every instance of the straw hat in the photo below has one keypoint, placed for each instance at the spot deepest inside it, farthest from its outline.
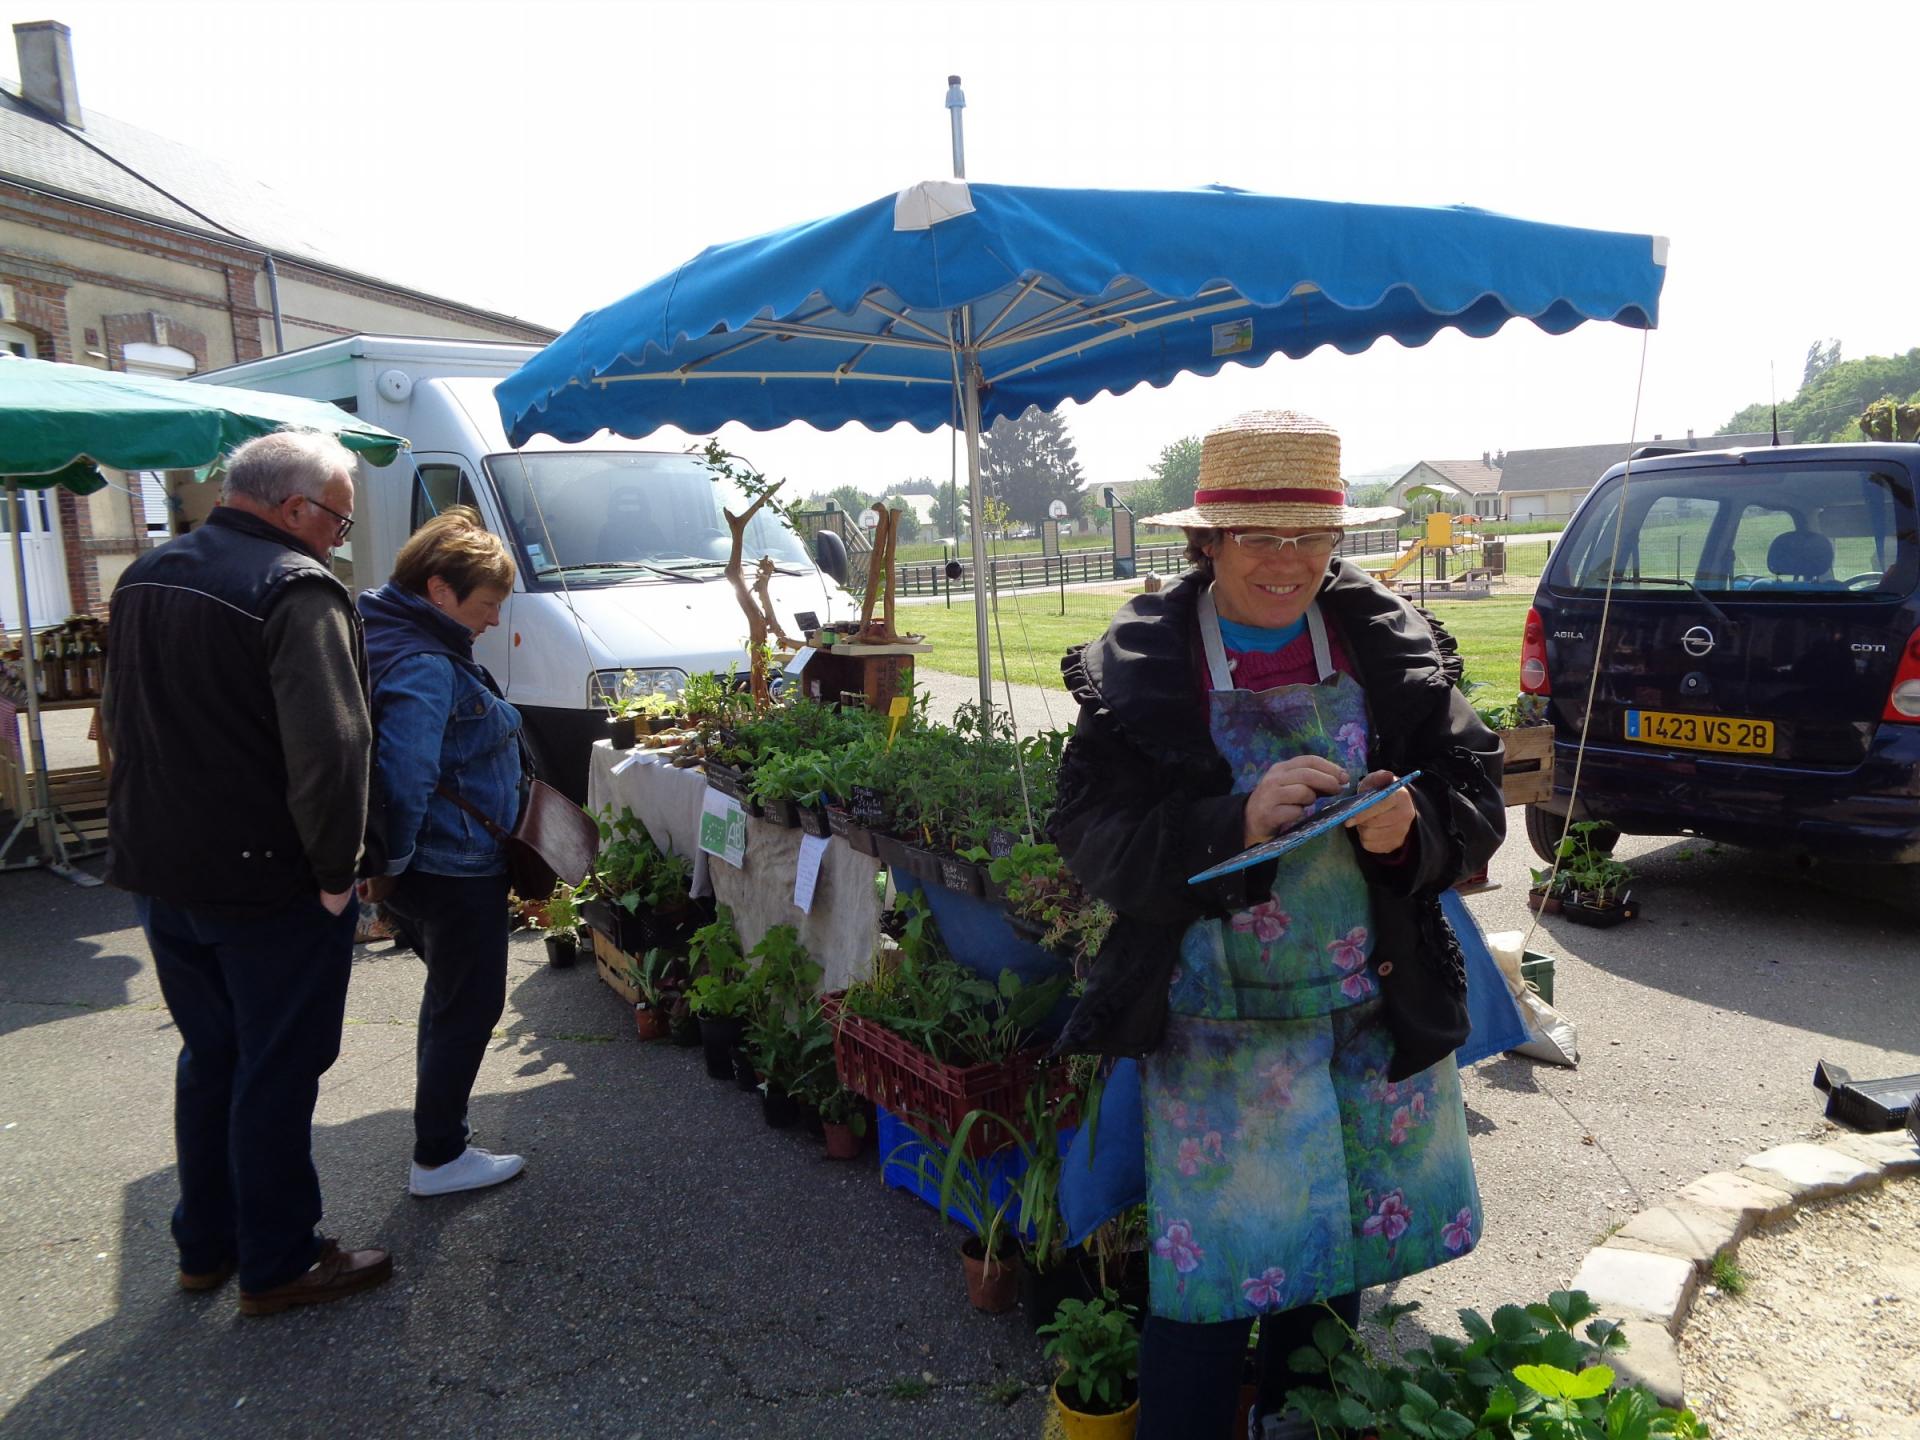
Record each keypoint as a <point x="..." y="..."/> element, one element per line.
<point x="1271" y="469"/>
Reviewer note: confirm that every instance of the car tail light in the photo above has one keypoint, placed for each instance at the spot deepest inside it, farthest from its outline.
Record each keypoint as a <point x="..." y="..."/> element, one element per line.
<point x="1903" y="698"/>
<point x="1533" y="659"/>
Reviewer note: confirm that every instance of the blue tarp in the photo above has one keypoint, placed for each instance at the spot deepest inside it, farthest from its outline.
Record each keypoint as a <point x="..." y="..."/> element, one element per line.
<point x="1061" y="295"/>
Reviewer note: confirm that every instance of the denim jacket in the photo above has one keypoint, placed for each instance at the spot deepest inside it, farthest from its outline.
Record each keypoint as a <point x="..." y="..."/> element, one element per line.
<point x="439" y="720"/>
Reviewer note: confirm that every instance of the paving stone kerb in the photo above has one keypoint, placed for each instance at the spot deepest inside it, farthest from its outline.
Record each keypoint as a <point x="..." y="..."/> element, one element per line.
<point x="1646" y="1274"/>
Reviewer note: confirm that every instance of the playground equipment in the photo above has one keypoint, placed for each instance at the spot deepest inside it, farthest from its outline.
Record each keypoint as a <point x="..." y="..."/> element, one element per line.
<point x="1447" y="536"/>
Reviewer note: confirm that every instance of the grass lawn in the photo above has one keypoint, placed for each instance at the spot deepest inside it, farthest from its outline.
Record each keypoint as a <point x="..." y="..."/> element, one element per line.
<point x="1035" y="634"/>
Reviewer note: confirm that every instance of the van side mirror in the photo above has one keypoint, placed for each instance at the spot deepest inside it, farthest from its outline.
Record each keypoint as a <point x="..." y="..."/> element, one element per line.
<point x="830" y="554"/>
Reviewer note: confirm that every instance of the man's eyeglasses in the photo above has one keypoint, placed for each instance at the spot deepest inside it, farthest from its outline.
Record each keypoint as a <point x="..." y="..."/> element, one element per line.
<point x="1314" y="544"/>
<point x="346" y="521"/>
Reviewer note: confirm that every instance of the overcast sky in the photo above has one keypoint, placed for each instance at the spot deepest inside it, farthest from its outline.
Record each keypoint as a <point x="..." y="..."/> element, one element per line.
<point x="544" y="159"/>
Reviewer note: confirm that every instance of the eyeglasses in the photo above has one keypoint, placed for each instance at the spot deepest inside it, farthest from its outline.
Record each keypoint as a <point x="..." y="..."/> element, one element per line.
<point x="346" y="521"/>
<point x="1314" y="543"/>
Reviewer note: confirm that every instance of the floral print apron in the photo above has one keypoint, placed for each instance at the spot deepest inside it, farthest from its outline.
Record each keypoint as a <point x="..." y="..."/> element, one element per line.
<point x="1282" y="1166"/>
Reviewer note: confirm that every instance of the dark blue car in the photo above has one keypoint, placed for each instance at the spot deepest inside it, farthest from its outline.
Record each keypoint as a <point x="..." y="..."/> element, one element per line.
<point x="1758" y="680"/>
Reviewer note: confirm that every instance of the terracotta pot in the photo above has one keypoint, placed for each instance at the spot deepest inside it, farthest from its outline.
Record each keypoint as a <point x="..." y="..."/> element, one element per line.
<point x="1078" y="1425"/>
<point x="842" y="1143"/>
<point x="992" y="1286"/>
<point x="649" y="1023"/>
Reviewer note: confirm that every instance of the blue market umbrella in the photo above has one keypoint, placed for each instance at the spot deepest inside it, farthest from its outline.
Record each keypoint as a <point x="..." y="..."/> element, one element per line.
<point x="958" y="303"/>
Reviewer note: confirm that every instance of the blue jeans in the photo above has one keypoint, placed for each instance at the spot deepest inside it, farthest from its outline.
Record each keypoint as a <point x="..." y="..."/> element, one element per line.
<point x="259" y="1004"/>
<point x="459" y="924"/>
<point x="1190" y="1374"/>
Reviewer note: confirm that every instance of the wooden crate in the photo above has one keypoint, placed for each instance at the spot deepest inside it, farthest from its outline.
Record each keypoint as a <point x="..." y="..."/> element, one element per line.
<point x="612" y="965"/>
<point x="1528" y="777"/>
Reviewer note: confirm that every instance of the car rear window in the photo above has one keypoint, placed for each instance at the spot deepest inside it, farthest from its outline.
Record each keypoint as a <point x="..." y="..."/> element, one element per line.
<point x="1772" y="531"/>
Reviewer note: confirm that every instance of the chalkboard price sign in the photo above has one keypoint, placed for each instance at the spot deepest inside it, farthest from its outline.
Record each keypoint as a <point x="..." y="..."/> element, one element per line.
<point x="867" y="806"/>
<point x="806" y="621"/>
<point x="1000" y="842"/>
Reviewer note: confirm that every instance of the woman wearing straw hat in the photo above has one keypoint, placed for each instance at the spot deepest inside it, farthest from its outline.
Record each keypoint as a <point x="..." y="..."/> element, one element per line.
<point x="1304" y="1131"/>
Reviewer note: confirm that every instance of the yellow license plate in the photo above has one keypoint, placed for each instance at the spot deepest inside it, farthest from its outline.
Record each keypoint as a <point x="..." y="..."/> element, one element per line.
<point x="1701" y="732"/>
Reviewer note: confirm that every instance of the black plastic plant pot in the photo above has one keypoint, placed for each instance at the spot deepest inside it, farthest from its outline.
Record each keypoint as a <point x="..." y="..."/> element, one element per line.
<point x="813" y="820"/>
<point x="685" y="1031"/>
<point x="720" y="1035"/>
<point x="859" y="838"/>
<point x="779" y="1109"/>
<point x="623" y="730"/>
<point x="726" y="779"/>
<point x="562" y="950"/>
<point x="658" y="723"/>
<point x="744" y="1075"/>
<point x="1070" y="1277"/>
<point x="1600" y="917"/>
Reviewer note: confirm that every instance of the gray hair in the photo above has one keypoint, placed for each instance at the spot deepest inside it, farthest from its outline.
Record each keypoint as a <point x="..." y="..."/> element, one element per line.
<point x="271" y="469"/>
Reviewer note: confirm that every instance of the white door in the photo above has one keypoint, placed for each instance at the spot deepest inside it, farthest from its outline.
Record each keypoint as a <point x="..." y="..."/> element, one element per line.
<point x="47" y="596"/>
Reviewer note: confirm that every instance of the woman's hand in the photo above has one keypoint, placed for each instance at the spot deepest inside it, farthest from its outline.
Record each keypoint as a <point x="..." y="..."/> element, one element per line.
<point x="1286" y="791"/>
<point x="1383" y="829"/>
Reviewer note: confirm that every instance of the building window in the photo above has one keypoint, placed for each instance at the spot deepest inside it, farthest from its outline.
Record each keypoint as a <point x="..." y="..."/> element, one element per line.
<point x="171" y="364"/>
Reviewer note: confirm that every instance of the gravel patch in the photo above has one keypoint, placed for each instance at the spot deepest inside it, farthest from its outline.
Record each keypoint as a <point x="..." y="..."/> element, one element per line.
<point x="1825" y="1342"/>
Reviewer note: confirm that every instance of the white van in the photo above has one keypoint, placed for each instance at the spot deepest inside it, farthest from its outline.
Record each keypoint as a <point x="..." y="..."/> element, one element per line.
<point x="619" y="547"/>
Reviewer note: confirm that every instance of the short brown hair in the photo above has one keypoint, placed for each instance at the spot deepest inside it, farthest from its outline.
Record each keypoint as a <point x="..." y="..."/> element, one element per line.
<point x="457" y="546"/>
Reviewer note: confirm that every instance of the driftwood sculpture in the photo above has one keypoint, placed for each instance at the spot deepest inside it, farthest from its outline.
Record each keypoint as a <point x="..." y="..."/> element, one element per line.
<point x="880" y="581"/>
<point x="760" y="621"/>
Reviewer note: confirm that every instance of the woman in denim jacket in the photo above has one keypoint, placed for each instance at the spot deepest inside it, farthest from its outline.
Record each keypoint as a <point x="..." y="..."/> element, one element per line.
<point x="442" y="729"/>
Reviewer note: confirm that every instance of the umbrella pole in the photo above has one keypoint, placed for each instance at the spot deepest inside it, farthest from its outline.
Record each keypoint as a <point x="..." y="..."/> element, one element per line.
<point x="970" y="408"/>
<point x="40" y="815"/>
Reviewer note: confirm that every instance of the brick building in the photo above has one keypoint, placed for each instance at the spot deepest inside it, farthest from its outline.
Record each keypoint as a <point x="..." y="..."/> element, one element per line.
<point x="124" y="250"/>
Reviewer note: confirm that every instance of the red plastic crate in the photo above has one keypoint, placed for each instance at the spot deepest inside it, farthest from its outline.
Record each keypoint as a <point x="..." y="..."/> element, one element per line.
<point x="879" y="1066"/>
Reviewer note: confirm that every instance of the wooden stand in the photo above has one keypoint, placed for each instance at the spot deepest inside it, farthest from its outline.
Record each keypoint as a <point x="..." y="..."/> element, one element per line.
<point x="876" y="673"/>
<point x="78" y="793"/>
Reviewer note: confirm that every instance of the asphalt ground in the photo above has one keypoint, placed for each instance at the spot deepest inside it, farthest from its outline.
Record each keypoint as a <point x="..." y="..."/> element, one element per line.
<point x="668" y="1265"/>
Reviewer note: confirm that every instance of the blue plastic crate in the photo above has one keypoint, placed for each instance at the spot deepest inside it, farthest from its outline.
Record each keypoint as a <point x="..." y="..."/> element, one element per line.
<point x="900" y="1148"/>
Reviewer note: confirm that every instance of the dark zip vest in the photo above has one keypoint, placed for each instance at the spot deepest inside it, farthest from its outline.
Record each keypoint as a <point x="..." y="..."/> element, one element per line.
<point x="197" y="806"/>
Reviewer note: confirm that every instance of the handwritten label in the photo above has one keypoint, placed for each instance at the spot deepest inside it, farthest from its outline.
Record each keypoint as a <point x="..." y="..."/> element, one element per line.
<point x="1000" y="842"/>
<point x="723" y="827"/>
<point x="958" y="875"/>
<point x="867" y="806"/>
<point x="805" y="621"/>
<point x="812" y="847"/>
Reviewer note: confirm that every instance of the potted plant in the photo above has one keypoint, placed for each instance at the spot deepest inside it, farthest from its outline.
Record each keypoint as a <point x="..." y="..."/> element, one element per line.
<point x="659" y="976"/>
<point x="1097" y="1347"/>
<point x="1592" y="884"/>
<point x="641" y="892"/>
<point x="563" y="925"/>
<point x="974" y="1191"/>
<point x="720" y="991"/>
<point x="843" y="1117"/>
<point x="1044" y="902"/>
<point x="1527" y="1373"/>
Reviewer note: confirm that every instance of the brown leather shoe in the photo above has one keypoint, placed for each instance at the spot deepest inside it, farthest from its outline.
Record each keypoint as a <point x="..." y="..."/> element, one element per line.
<point x="335" y="1275"/>
<point x="198" y="1282"/>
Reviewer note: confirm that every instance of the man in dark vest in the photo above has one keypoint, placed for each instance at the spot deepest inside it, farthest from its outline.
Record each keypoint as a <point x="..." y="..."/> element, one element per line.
<point x="236" y="709"/>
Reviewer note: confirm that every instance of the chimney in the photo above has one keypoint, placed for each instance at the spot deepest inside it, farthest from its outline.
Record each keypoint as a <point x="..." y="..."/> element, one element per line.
<point x="46" y="70"/>
<point x="1658" y="438"/>
<point x="1486" y="459"/>
<point x="1690" y="444"/>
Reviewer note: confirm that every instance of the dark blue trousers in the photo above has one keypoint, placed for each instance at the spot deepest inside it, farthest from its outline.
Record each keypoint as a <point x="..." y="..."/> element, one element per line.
<point x="1190" y="1374"/>
<point x="259" y="1004"/>
<point x="460" y="925"/>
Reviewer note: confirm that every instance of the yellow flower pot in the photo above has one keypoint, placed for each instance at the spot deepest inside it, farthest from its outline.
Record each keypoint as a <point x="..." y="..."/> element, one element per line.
<point x="1077" y="1425"/>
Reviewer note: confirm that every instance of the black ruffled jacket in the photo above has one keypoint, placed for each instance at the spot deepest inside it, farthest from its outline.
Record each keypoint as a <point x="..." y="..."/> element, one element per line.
<point x="1145" y="801"/>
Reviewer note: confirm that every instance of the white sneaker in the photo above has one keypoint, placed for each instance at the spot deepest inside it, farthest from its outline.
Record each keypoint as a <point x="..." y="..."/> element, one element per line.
<point x="476" y="1169"/>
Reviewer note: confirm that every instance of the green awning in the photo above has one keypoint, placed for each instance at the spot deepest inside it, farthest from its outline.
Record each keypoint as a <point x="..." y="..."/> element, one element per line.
<point x="59" y="422"/>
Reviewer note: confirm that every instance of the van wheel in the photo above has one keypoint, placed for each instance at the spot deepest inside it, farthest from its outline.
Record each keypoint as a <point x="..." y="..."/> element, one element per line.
<point x="1544" y="829"/>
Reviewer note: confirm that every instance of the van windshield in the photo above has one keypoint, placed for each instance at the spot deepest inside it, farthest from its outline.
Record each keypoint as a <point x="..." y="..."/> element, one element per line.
<point x="1780" y="532"/>
<point x="603" y="517"/>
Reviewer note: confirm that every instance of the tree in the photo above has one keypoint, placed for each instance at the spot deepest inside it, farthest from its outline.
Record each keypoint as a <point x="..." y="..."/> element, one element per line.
<point x="1819" y="360"/>
<point x="850" y="498"/>
<point x="1828" y="407"/>
<point x="1029" y="463"/>
<point x="925" y="485"/>
<point x="950" y="511"/>
<point x="909" y="526"/>
<point x="1170" y="480"/>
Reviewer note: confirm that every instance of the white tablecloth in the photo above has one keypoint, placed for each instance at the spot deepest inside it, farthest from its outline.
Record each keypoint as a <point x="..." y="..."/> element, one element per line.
<point x="840" y="931"/>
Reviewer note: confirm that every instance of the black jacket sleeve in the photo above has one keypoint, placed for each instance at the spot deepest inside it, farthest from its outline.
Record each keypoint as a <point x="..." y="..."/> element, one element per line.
<point x="1460" y="817"/>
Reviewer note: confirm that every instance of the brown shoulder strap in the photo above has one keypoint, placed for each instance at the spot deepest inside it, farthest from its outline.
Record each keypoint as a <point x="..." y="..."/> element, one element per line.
<point x="491" y="827"/>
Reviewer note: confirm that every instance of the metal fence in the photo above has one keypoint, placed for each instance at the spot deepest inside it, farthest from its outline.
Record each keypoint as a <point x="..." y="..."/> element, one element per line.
<point x="1074" y="567"/>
